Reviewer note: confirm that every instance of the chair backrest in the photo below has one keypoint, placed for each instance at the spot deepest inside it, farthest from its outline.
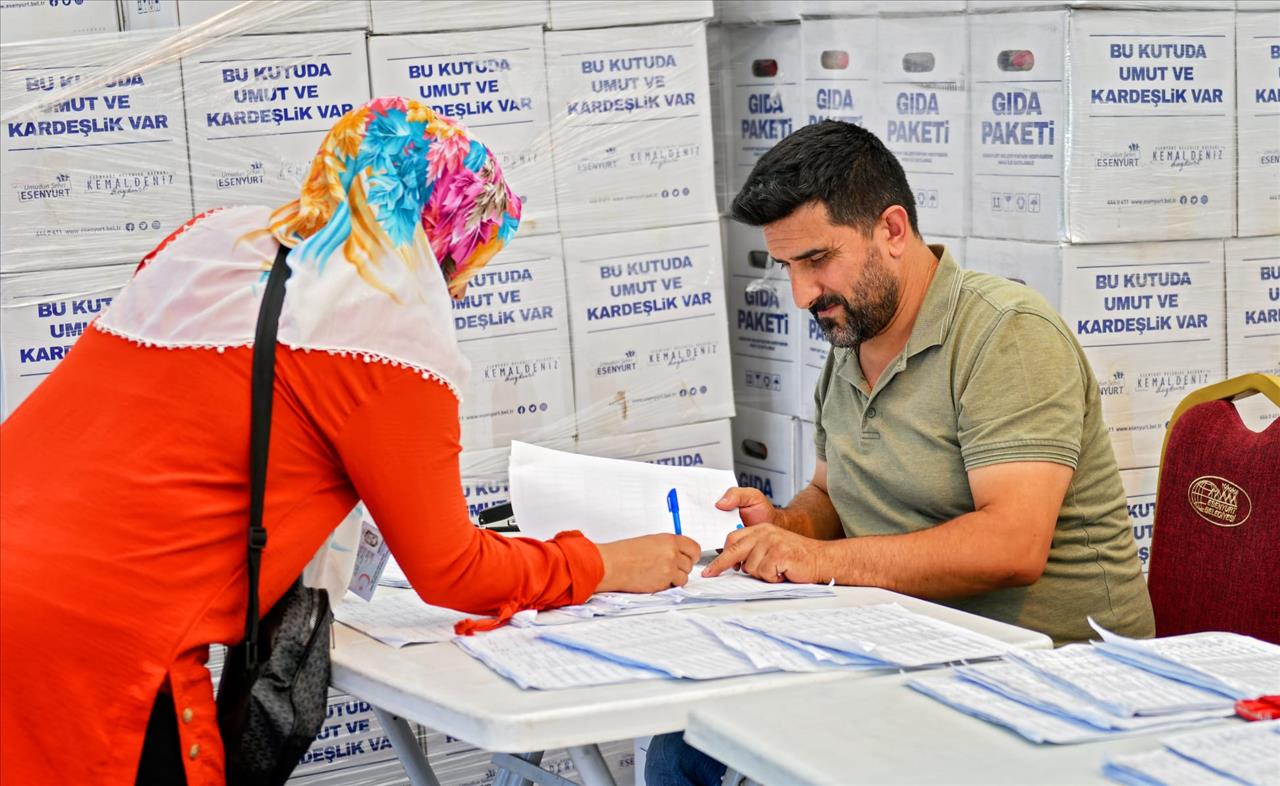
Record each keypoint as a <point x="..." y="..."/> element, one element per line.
<point x="1215" y="548"/>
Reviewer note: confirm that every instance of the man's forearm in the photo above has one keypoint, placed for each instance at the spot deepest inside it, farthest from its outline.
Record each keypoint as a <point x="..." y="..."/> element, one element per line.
<point x="810" y="513"/>
<point x="954" y="559"/>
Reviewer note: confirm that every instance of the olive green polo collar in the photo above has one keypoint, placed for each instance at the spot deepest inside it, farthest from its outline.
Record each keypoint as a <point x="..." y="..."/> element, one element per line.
<point x="933" y="321"/>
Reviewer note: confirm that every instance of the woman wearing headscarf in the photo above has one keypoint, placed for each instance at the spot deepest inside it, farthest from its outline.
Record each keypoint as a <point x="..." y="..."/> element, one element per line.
<point x="125" y="482"/>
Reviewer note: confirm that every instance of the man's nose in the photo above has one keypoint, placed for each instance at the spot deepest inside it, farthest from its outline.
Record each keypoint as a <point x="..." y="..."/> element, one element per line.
<point x="804" y="288"/>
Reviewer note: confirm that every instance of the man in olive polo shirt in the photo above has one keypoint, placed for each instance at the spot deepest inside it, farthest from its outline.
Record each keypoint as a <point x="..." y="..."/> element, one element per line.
<point x="962" y="455"/>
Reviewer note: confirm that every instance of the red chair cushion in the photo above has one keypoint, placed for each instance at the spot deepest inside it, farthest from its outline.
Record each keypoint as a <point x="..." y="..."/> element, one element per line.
<point x="1215" y="548"/>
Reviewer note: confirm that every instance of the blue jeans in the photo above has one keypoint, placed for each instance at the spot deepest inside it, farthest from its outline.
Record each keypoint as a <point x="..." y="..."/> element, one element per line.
<point x="673" y="762"/>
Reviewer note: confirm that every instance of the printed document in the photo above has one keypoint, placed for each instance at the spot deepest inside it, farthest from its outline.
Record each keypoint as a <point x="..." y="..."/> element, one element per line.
<point x="1248" y="752"/>
<point x="1161" y="768"/>
<point x="612" y="499"/>
<point x="887" y="633"/>
<point x="770" y="654"/>
<point x="1241" y="667"/>
<point x="397" y="618"/>
<point x="671" y="643"/>
<point x="533" y="663"/>
<point x="1121" y="688"/>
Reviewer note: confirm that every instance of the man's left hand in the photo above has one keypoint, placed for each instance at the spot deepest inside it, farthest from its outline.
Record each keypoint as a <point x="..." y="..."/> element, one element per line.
<point x="772" y="554"/>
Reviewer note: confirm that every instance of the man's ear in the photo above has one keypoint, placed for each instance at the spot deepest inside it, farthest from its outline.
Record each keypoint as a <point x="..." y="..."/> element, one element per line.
<point x="895" y="227"/>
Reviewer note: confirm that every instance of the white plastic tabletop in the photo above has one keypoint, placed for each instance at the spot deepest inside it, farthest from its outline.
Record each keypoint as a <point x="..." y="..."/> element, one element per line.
<point x="440" y="686"/>
<point x="882" y="732"/>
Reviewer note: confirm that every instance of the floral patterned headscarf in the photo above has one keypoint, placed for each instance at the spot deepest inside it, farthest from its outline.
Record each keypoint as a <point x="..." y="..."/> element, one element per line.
<point x="392" y="176"/>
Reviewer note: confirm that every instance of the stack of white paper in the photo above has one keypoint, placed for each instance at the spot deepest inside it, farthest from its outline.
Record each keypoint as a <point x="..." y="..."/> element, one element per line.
<point x="1242" y="753"/>
<point x="611" y="499"/>
<point x="1122" y="689"/>
<point x="769" y="654"/>
<point x="670" y="643"/>
<point x="1238" y="666"/>
<point x="886" y="634"/>
<point x="530" y="662"/>
<point x="398" y="618"/>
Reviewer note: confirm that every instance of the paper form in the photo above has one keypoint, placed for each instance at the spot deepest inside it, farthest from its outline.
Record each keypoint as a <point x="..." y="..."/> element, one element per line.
<point x="1026" y="686"/>
<point x="670" y="643"/>
<point x="770" y="654"/>
<point x="973" y="699"/>
<point x="398" y="618"/>
<point x="1241" y="667"/>
<point x="1160" y="768"/>
<point x="1248" y="752"/>
<point x="1121" y="688"/>
<point x="534" y="663"/>
<point x="392" y="575"/>
<point x="612" y="499"/>
<point x="886" y="632"/>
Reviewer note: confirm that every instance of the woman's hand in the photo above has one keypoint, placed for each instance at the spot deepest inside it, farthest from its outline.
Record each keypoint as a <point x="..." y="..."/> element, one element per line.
<point x="648" y="563"/>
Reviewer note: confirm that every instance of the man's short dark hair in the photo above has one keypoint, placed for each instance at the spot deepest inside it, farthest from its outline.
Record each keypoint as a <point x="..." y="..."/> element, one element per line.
<point x="840" y="164"/>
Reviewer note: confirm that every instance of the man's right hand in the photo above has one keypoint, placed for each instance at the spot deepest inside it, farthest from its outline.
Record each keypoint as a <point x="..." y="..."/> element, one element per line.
<point x="752" y="505"/>
<point x="649" y="563"/>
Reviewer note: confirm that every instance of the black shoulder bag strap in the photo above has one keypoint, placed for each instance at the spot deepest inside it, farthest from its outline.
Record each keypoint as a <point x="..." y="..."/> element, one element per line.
<point x="263" y="376"/>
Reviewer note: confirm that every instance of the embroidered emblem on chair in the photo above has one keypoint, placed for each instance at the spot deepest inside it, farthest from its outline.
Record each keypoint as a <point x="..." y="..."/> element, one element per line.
<point x="1219" y="501"/>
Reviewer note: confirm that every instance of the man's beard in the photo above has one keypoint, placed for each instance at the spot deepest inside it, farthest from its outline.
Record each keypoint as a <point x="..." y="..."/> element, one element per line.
<point x="876" y="293"/>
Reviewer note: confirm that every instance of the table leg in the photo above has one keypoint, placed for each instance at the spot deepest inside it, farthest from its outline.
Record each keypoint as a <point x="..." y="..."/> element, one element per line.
<point x="521" y="769"/>
<point x="408" y="750"/>
<point x="591" y="765"/>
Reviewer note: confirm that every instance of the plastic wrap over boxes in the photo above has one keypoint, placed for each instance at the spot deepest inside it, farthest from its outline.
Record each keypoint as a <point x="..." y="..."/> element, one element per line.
<point x="1258" y="122"/>
<point x="256" y="120"/>
<point x="649" y="329"/>
<point x="1149" y="316"/>
<point x="1140" y="498"/>
<point x="1149" y="152"/>
<point x="431" y="16"/>
<point x="100" y="177"/>
<point x="512" y="324"/>
<point x="923" y="114"/>
<point x="773" y="453"/>
<point x="41" y="315"/>
<point x="631" y="127"/>
<point x="33" y="20"/>
<point x="296" y="16"/>
<point x="494" y="82"/>
<point x="577" y="14"/>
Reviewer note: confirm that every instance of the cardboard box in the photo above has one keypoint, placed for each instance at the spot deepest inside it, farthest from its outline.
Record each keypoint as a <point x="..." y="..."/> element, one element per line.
<point x="958" y="246"/>
<point x="293" y="17"/>
<point x="695" y="445"/>
<point x="513" y="326"/>
<point x="348" y="742"/>
<point x="756" y="11"/>
<point x="256" y="122"/>
<point x="34" y="20"/>
<point x="1149" y="316"/>
<point x="719" y="79"/>
<point x="807" y="453"/>
<point x="99" y="177"/>
<point x="924" y="114"/>
<point x="1258" y="123"/>
<point x="1253" y="319"/>
<point x="631" y="127"/>
<point x="649" y="329"/>
<point x="41" y="315"/>
<point x="494" y="83"/>
<point x="485" y="475"/>
<point x="434" y="16"/>
<point x="840" y="70"/>
<point x="1148" y="153"/>
<point x="578" y="14"/>
<point x="765" y="452"/>
<point x="1140" y="497"/>
<point x="766" y="96"/>
<point x="148" y="14"/>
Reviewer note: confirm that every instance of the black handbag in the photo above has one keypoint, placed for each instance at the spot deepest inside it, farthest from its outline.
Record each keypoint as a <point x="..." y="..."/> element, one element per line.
<point x="274" y="691"/>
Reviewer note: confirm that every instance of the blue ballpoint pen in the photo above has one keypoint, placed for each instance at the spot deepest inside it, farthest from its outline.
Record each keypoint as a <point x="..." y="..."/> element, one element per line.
<point x="673" y="505"/>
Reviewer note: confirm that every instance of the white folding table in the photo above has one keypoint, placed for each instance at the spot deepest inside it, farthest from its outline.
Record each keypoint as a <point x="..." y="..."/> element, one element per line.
<point x="882" y="732"/>
<point x="440" y="686"/>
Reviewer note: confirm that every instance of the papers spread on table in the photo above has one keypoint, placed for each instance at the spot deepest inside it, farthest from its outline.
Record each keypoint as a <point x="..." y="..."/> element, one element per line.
<point x="392" y="575"/>
<point x="725" y="588"/>
<point x="1122" y="689"/>
<point x="670" y="643"/>
<point x="887" y="634"/>
<point x="1237" y="666"/>
<point x="398" y="617"/>
<point x="1236" y="754"/>
<point x="611" y="499"/>
<point x="531" y="662"/>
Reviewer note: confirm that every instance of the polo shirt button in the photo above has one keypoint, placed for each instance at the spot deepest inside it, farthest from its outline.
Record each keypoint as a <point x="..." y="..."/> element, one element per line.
<point x="187" y="715"/>
<point x="194" y="752"/>
<point x="871" y="412"/>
